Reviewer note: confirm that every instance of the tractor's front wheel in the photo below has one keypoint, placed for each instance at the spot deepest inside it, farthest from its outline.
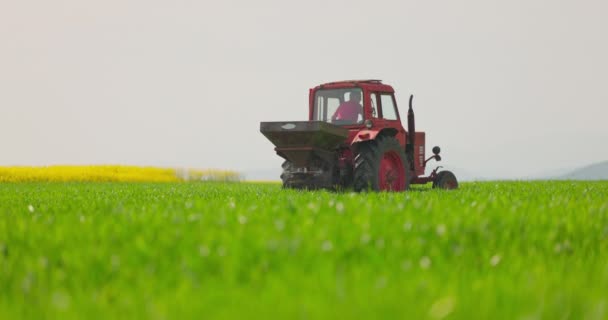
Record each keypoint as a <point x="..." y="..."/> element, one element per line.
<point x="445" y="180"/>
<point x="381" y="165"/>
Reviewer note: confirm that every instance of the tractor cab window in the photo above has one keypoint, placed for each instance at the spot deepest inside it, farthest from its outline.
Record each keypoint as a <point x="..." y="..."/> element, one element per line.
<point x="374" y="104"/>
<point x="339" y="106"/>
<point x="388" y="107"/>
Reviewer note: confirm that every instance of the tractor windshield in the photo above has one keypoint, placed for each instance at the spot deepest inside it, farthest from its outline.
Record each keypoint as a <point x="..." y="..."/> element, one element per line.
<point x="338" y="106"/>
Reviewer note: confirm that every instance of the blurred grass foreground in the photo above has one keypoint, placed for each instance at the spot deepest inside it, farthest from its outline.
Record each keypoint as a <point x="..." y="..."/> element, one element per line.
<point x="112" y="173"/>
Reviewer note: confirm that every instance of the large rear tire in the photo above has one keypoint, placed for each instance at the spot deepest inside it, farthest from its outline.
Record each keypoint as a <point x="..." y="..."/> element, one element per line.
<point x="445" y="180"/>
<point x="381" y="165"/>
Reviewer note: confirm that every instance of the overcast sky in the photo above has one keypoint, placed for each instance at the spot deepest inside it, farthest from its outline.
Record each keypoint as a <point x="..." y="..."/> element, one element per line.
<point x="506" y="88"/>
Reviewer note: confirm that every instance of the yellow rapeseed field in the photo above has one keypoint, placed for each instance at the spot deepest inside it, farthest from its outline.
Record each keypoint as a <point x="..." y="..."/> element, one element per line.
<point x="109" y="173"/>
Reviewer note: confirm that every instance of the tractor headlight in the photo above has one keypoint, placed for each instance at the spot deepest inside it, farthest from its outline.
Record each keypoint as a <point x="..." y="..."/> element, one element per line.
<point x="368" y="123"/>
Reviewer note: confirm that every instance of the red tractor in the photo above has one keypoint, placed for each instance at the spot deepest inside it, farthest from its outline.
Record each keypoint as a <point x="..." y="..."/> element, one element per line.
<point x="354" y="138"/>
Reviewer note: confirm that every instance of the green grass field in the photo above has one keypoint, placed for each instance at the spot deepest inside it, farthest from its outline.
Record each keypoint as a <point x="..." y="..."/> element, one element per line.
<point x="493" y="250"/>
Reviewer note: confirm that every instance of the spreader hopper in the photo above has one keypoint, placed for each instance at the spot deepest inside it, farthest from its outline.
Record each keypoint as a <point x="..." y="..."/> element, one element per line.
<point x="302" y="141"/>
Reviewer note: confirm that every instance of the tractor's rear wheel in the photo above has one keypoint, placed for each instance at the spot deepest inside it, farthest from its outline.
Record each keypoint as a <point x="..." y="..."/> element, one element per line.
<point x="381" y="165"/>
<point x="445" y="180"/>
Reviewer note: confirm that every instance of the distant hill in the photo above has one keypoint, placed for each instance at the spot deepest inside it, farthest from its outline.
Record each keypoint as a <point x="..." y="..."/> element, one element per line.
<point x="596" y="171"/>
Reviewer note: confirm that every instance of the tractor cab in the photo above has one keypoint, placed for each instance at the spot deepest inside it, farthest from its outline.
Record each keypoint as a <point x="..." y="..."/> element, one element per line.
<point x="378" y="110"/>
<point x="376" y="101"/>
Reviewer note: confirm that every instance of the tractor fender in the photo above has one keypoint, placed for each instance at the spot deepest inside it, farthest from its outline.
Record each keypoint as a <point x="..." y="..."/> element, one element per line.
<point x="368" y="135"/>
<point x="365" y="135"/>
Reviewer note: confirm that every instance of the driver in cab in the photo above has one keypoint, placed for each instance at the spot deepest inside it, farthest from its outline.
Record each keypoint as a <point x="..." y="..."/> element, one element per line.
<point x="349" y="111"/>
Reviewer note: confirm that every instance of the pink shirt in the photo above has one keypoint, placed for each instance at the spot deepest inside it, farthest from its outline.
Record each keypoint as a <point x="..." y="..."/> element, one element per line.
<point x="348" y="111"/>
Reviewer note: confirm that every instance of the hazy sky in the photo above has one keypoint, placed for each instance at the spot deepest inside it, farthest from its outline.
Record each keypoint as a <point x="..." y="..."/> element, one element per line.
<point x="506" y="88"/>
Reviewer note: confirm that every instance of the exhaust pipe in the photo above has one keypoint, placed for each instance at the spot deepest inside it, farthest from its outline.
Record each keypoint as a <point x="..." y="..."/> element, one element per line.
<point x="411" y="128"/>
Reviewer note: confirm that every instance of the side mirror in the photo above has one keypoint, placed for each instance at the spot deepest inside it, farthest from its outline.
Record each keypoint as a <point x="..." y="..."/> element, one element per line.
<point x="435" y="155"/>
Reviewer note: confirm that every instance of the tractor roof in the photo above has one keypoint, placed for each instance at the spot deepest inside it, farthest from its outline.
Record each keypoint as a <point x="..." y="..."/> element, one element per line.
<point x="372" y="84"/>
<point x="354" y="81"/>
